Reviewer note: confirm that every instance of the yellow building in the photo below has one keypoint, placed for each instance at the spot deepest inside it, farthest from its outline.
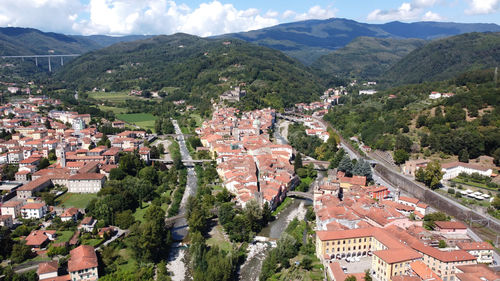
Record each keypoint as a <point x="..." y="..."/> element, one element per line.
<point x="392" y="262"/>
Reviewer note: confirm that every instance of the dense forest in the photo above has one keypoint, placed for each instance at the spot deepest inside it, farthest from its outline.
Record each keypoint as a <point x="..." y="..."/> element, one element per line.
<point x="405" y="120"/>
<point x="445" y="58"/>
<point x="366" y="57"/>
<point x="190" y="65"/>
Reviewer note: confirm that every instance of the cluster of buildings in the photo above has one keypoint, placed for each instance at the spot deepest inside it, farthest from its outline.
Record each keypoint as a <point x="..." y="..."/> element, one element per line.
<point x="250" y="165"/>
<point x="362" y="227"/>
<point x="319" y="108"/>
<point x="450" y="170"/>
<point x="315" y="128"/>
<point x="82" y="265"/>
<point x="81" y="167"/>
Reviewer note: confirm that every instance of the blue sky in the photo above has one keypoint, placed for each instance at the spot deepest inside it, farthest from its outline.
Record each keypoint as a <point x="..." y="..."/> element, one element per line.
<point x="211" y="17"/>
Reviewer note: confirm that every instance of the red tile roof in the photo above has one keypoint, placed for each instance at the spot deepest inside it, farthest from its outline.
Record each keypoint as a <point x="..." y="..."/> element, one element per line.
<point x="450" y="225"/>
<point x="82" y="257"/>
<point x="397" y="255"/>
<point x="47" y="267"/>
<point x="87" y="176"/>
<point x="470" y="246"/>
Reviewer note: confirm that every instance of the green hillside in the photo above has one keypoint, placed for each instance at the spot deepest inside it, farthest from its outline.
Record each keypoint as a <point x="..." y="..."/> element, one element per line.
<point x="195" y="66"/>
<point x="405" y="119"/>
<point x="28" y="41"/>
<point x="446" y="58"/>
<point x="308" y="40"/>
<point x="366" y="57"/>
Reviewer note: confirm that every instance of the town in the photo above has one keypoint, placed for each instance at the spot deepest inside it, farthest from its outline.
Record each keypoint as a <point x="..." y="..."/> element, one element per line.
<point x="363" y="226"/>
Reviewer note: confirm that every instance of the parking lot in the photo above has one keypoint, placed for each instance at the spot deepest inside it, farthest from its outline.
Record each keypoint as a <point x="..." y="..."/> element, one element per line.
<point x="359" y="266"/>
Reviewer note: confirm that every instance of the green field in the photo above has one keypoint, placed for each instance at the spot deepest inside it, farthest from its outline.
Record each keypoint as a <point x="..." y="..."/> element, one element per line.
<point x="76" y="200"/>
<point x="115" y="110"/>
<point x="114" y="97"/>
<point x="143" y="120"/>
<point x="64" y="236"/>
<point x="140" y="212"/>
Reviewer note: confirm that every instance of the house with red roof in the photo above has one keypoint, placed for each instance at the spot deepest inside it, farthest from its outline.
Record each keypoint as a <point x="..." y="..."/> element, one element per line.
<point x="33" y="211"/>
<point x="483" y="251"/>
<point x="70" y="214"/>
<point x="450" y="227"/>
<point x="82" y="265"/>
<point x="40" y="238"/>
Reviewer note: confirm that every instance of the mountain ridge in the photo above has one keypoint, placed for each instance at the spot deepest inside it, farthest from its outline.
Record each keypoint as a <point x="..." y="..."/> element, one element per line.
<point x="308" y="40"/>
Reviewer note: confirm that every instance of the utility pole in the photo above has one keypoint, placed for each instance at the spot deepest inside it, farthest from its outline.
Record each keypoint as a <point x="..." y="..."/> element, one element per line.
<point x="50" y="67"/>
<point x="62" y="61"/>
<point x="36" y="61"/>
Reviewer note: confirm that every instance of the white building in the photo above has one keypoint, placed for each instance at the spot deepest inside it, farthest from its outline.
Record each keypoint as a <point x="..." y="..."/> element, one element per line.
<point x="12" y="208"/>
<point x="453" y="169"/>
<point x="483" y="251"/>
<point x="33" y="211"/>
<point x="435" y="95"/>
<point x="367" y="92"/>
<point x="86" y="183"/>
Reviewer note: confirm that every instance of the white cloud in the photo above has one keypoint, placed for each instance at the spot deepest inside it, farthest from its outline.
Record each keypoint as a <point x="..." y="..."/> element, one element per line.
<point x="53" y="15"/>
<point x="424" y="3"/>
<point x="315" y="12"/>
<point x="288" y="14"/>
<point x="431" y="16"/>
<point x="120" y="17"/>
<point x="483" y="6"/>
<point x="405" y="12"/>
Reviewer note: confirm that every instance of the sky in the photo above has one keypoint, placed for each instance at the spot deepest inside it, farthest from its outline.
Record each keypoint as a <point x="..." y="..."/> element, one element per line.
<point x="214" y="17"/>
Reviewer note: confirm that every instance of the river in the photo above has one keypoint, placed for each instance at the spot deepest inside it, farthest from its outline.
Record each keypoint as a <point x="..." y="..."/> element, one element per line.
<point x="258" y="251"/>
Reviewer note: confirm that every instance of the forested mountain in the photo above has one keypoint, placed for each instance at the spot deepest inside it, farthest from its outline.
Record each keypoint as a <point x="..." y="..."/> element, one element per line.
<point x="366" y="57"/>
<point x="446" y="58"/>
<point x="29" y="41"/>
<point x="195" y="65"/>
<point x="405" y="120"/>
<point x="308" y="40"/>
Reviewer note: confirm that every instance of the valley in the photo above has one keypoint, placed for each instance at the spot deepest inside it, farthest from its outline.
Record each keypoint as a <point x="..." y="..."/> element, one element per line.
<point x="312" y="150"/>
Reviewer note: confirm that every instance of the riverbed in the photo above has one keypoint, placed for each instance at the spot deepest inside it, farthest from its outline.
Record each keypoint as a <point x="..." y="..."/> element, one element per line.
<point x="258" y="251"/>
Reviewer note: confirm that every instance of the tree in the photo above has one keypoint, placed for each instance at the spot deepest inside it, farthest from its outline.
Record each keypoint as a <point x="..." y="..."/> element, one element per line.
<point x="401" y="156"/>
<point x="117" y="174"/>
<point x="403" y="142"/>
<point x="334" y="163"/>
<point x="496" y="203"/>
<point x="463" y="156"/>
<point x="345" y="165"/>
<point x="431" y="175"/>
<point x="442" y="244"/>
<point x="5" y="242"/>
<point x="253" y="214"/>
<point x="350" y="278"/>
<point x="49" y="198"/>
<point x="21" y="252"/>
<point x="149" y="173"/>
<point x="44" y="163"/>
<point x="306" y="263"/>
<point x="52" y="155"/>
<point x="298" y="162"/>
<point x="367" y="276"/>
<point x="124" y="219"/>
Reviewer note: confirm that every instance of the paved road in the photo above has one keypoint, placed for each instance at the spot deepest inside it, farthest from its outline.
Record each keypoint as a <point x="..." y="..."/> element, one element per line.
<point x="119" y="233"/>
<point x="179" y="231"/>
